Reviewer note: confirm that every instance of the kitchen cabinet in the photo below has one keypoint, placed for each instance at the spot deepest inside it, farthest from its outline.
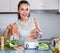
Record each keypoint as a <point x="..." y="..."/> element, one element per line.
<point x="11" y="5"/>
<point x="14" y="5"/>
<point x="36" y="4"/>
<point x="8" y="5"/>
<point x="33" y="5"/>
<point x="4" y="5"/>
<point x="59" y="6"/>
<point x="50" y="4"/>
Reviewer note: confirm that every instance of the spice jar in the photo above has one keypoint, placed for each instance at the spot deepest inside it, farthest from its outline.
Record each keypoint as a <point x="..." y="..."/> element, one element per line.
<point x="2" y="43"/>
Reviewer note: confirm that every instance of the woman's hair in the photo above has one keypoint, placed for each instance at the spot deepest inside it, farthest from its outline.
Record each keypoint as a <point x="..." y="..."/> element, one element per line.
<point x="22" y="2"/>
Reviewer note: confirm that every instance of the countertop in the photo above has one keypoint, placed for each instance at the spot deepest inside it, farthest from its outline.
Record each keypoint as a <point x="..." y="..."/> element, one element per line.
<point x="25" y="51"/>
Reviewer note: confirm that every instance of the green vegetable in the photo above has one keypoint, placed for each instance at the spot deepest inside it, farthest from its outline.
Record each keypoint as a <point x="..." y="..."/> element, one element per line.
<point x="10" y="44"/>
<point x="43" y="46"/>
<point x="14" y="42"/>
<point x="6" y="42"/>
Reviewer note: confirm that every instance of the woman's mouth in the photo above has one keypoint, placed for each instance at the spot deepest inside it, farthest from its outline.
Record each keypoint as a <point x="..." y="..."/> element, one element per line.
<point x="24" y="15"/>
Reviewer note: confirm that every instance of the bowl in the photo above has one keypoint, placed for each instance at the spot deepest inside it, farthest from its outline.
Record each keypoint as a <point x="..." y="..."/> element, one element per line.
<point x="30" y="44"/>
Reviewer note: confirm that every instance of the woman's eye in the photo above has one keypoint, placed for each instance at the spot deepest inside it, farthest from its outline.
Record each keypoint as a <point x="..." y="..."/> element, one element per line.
<point x="27" y="9"/>
<point x="22" y="9"/>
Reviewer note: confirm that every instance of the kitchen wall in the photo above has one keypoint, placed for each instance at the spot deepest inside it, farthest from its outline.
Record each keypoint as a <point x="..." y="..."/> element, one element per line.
<point x="49" y="22"/>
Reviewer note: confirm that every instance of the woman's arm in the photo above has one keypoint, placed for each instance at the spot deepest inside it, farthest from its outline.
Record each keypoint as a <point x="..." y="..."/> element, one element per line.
<point x="37" y="28"/>
<point x="7" y="32"/>
<point x="10" y="30"/>
<point x="34" y="31"/>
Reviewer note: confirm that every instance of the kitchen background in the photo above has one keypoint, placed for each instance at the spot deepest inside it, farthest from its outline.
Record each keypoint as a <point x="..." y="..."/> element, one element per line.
<point x="48" y="18"/>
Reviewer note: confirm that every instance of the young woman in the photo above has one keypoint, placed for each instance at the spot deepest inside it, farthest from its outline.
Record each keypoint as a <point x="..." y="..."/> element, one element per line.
<point x="26" y="27"/>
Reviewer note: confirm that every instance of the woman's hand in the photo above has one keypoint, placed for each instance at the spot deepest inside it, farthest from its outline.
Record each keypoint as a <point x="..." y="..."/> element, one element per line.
<point x="34" y="31"/>
<point x="8" y="30"/>
<point x="10" y="26"/>
<point x="40" y="36"/>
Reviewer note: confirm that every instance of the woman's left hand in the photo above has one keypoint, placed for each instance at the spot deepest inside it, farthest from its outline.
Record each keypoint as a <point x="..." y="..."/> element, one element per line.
<point x="34" y="31"/>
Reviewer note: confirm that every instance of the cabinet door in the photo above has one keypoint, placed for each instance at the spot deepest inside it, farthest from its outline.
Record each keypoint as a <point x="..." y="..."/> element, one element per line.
<point x="36" y="4"/>
<point x="4" y="5"/>
<point x="59" y="6"/>
<point x="50" y="4"/>
<point x="14" y="4"/>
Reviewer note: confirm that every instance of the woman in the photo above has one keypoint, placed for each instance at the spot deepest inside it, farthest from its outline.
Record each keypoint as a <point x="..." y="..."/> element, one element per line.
<point x="26" y="26"/>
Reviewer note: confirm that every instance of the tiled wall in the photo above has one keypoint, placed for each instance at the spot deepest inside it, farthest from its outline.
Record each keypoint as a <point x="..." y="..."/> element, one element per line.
<point x="49" y="22"/>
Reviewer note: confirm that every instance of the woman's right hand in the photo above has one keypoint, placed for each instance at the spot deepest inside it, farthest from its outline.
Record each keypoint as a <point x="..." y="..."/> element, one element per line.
<point x="6" y="33"/>
<point x="8" y="30"/>
<point x="10" y="26"/>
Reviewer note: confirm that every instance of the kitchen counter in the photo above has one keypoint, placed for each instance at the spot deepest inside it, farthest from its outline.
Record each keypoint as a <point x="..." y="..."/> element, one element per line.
<point x="25" y="51"/>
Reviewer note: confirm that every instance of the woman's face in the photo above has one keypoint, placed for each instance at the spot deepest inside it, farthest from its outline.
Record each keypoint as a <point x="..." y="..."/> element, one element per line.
<point x="24" y="11"/>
